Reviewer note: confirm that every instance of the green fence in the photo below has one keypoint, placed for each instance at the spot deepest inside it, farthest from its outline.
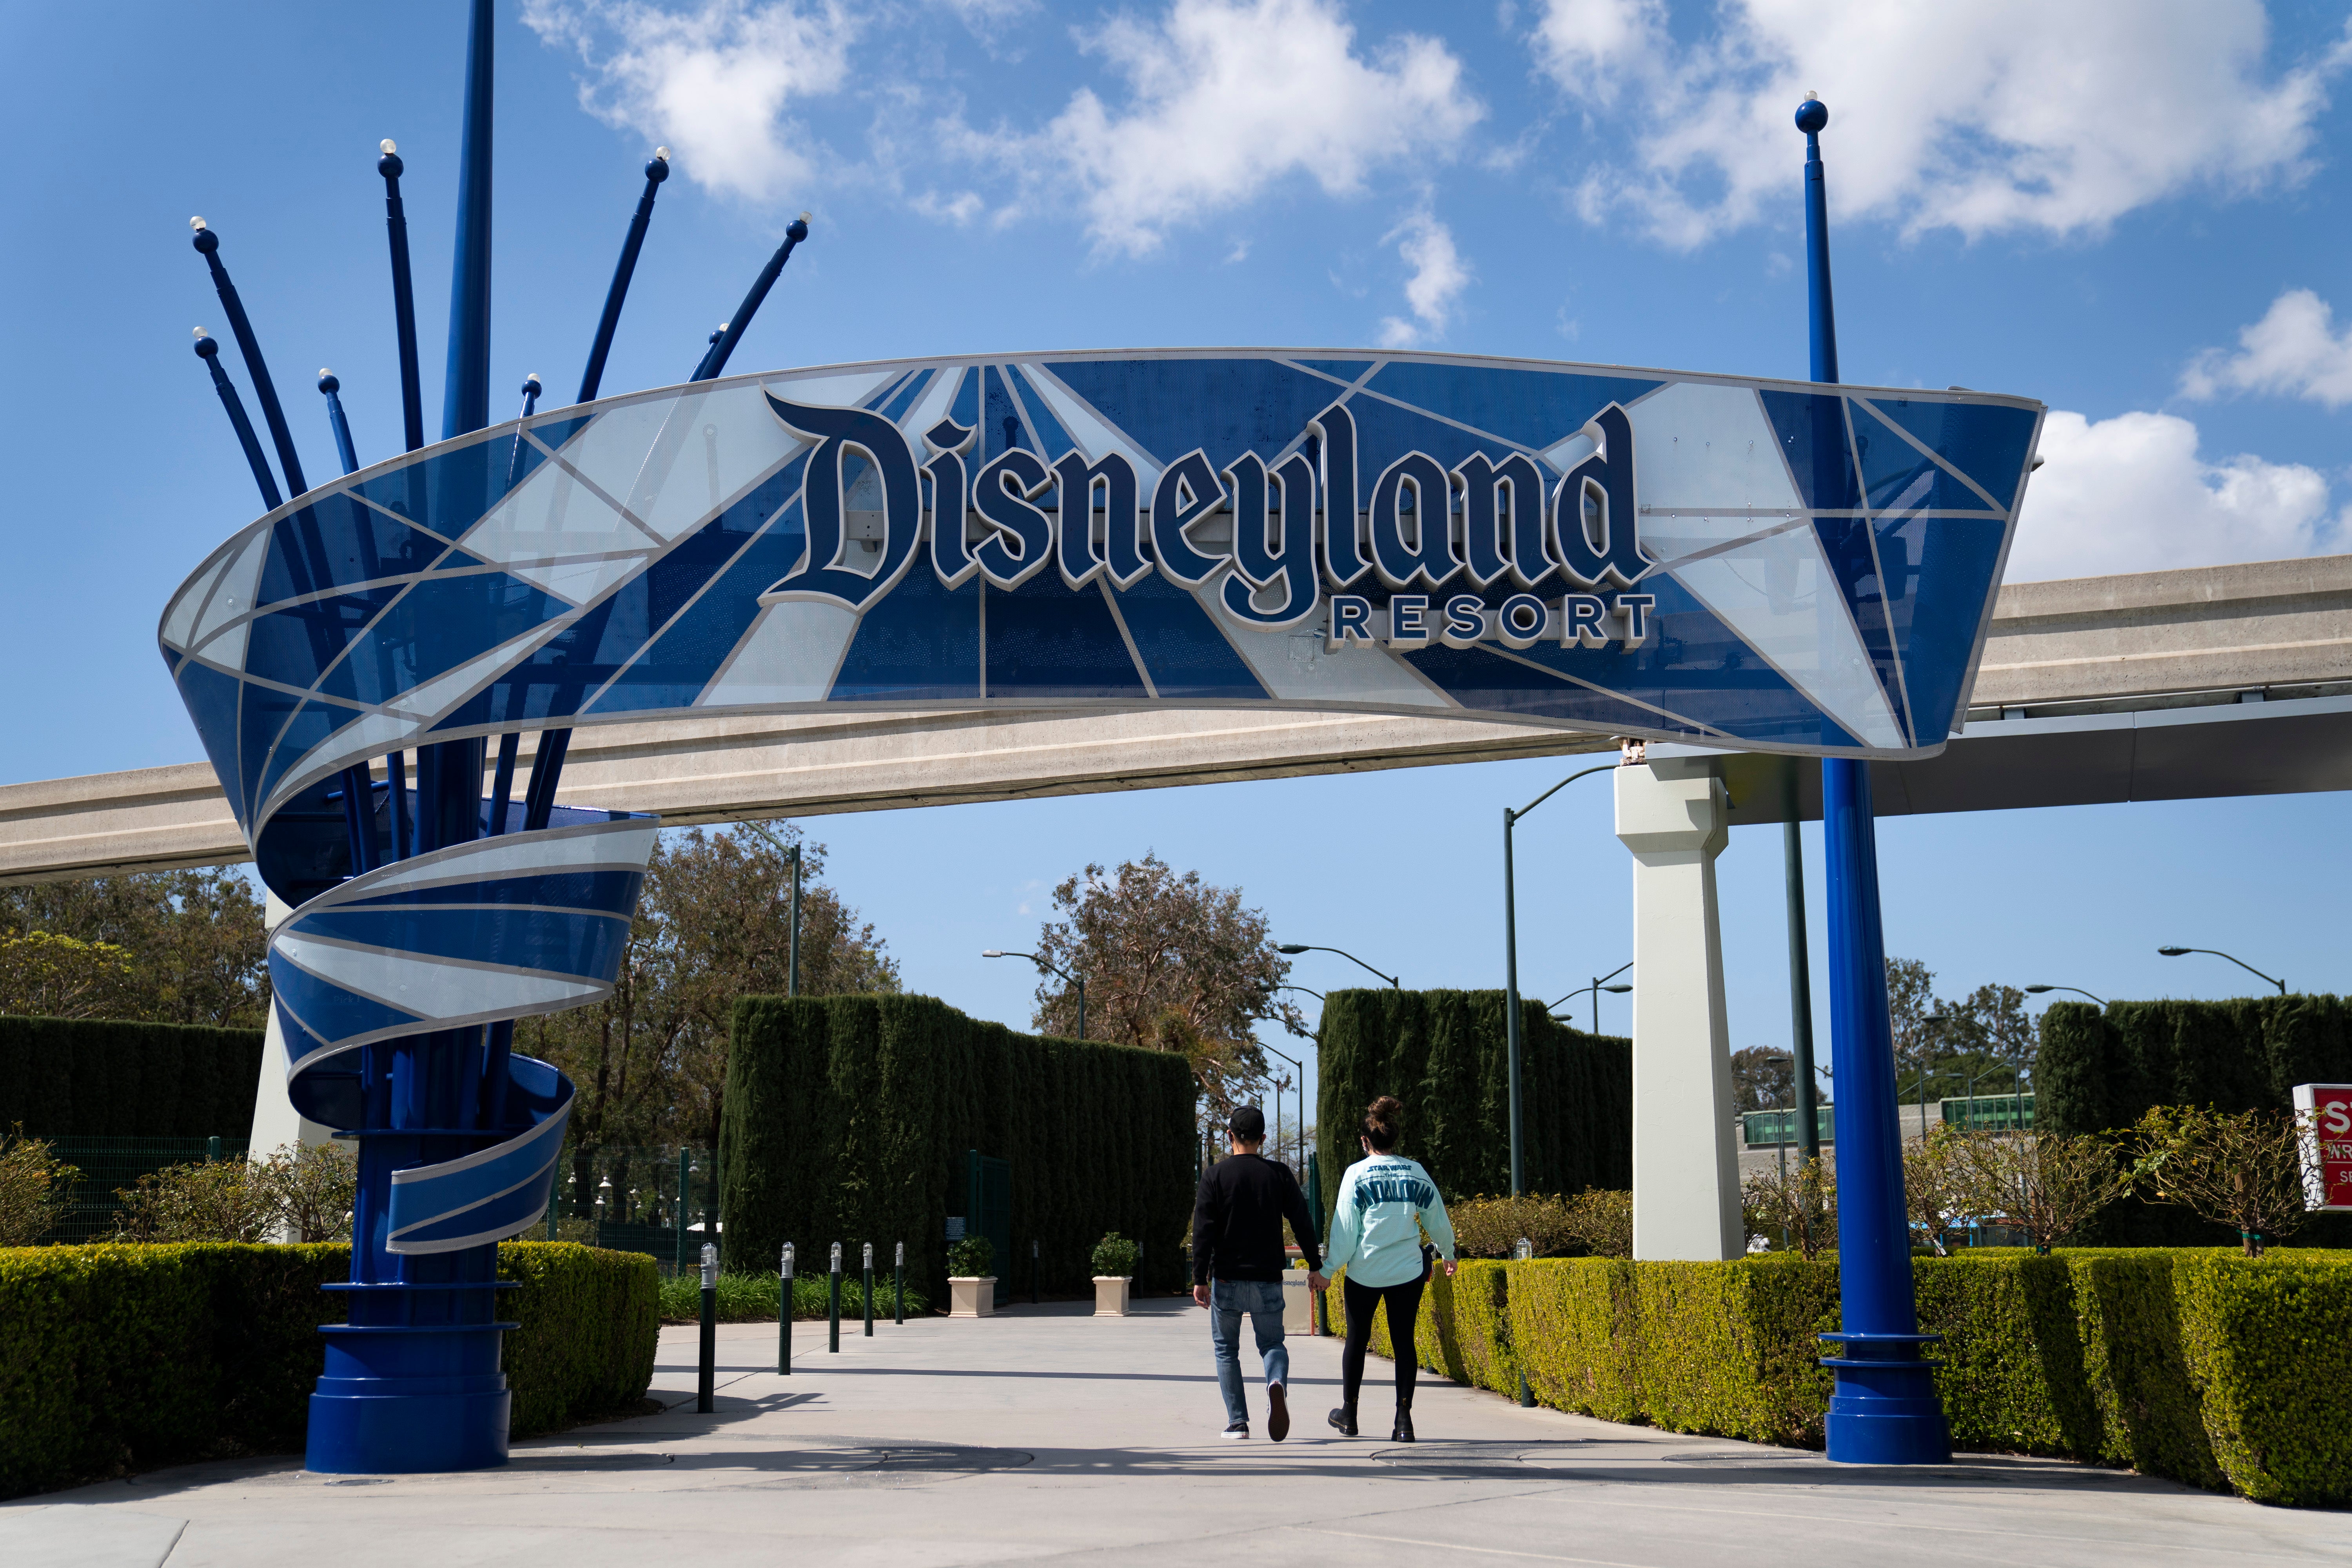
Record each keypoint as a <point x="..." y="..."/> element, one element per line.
<point x="652" y="1199"/>
<point x="1773" y="1129"/>
<point x="109" y="1164"/>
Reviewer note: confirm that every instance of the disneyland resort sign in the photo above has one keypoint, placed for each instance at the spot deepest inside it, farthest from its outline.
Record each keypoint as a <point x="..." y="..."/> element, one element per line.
<point x="1781" y="566"/>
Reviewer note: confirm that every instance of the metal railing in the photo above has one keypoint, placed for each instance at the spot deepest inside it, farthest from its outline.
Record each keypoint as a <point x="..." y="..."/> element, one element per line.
<point x="1990" y="1113"/>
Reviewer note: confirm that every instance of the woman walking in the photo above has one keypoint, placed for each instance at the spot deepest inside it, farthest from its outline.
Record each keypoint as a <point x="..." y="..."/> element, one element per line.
<point x="1386" y="1201"/>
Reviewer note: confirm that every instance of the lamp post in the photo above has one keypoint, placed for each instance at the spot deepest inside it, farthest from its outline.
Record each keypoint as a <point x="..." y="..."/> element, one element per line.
<point x="1600" y="983"/>
<point x="1317" y="994"/>
<point x="1884" y="1408"/>
<point x="2039" y="990"/>
<point x="2217" y="952"/>
<point x="1075" y="979"/>
<point x="1511" y="956"/>
<point x="1300" y="1131"/>
<point x="1299" y="947"/>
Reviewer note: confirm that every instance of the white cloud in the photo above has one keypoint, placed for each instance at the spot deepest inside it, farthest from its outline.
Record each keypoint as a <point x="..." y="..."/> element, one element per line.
<point x="1227" y="97"/>
<point x="1439" y="276"/>
<point x="1994" y="116"/>
<point x="716" y="83"/>
<point x="2131" y="494"/>
<point x="2294" y="349"/>
<point x="959" y="209"/>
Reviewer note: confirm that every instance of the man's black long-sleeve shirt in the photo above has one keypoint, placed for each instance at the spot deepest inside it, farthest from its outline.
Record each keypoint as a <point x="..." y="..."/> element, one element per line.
<point x="1237" y="1221"/>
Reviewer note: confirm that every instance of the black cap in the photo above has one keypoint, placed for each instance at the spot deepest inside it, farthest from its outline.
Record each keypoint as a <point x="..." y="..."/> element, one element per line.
<point x="1248" y="1125"/>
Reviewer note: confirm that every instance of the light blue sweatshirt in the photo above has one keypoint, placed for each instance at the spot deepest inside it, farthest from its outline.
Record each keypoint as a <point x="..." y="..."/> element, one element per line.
<point x="1385" y="1201"/>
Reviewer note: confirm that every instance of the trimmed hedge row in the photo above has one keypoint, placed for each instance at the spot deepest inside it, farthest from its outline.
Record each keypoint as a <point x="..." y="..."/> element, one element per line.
<point x="2101" y="1070"/>
<point x="104" y="1078"/>
<point x="845" y="1114"/>
<point x="122" y="1357"/>
<point x="1446" y="1055"/>
<point x="2221" y="1371"/>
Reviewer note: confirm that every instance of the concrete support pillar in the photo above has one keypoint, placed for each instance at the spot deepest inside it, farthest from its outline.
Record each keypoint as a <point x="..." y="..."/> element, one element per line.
<point x="276" y="1122"/>
<point x="1674" y="817"/>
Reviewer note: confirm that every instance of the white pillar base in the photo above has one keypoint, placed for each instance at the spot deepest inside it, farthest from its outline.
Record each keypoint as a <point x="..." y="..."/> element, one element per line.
<point x="1674" y="817"/>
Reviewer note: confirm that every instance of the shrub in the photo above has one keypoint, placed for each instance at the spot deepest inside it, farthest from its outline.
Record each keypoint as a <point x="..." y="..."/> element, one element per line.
<point x="1799" y="1202"/>
<point x="309" y="1190"/>
<point x="215" y="1201"/>
<point x="1115" y="1256"/>
<point x="1602" y="1219"/>
<point x="752" y="1298"/>
<point x="971" y="1257"/>
<point x="2048" y="1185"/>
<point x="1930" y="1190"/>
<point x="2243" y="1171"/>
<point x="105" y="1078"/>
<point x="2211" y="1368"/>
<point x="35" y="1189"/>
<point x="120" y="1357"/>
<point x="1492" y="1227"/>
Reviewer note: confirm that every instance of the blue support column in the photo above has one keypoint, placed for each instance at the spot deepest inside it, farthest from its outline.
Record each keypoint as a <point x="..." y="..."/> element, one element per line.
<point x="1885" y="1410"/>
<point x="413" y="1381"/>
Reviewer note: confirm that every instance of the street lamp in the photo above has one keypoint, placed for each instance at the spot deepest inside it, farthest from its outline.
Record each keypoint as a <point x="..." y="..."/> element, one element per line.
<point x="1317" y="994"/>
<point x="2177" y="952"/>
<point x="2038" y="990"/>
<point x="1511" y="955"/>
<point x="1600" y="983"/>
<point x="1299" y="947"/>
<point x="1075" y="979"/>
<point x="1300" y="1131"/>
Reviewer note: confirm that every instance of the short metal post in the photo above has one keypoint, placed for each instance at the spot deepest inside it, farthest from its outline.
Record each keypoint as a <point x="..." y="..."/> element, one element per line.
<point x="833" y="1341"/>
<point x="1034" y="1267"/>
<point x="212" y="1151"/>
<point x="1524" y="1250"/>
<point x="899" y="1285"/>
<point x="868" y="1292"/>
<point x="703" y="1383"/>
<point x="784" y="1317"/>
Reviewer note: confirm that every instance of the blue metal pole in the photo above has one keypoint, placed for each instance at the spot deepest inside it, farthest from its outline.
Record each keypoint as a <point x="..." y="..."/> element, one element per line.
<point x="714" y="362"/>
<point x="656" y="170"/>
<point x="466" y="391"/>
<point x="1884" y="1409"/>
<point x="209" y="351"/>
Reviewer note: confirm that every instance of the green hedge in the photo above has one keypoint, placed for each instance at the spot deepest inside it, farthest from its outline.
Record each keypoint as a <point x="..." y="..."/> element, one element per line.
<point x="844" y="1115"/>
<point x="2101" y="1070"/>
<point x="101" y="1078"/>
<point x="2204" y="1365"/>
<point x="1444" y="1054"/>
<point x="116" y="1357"/>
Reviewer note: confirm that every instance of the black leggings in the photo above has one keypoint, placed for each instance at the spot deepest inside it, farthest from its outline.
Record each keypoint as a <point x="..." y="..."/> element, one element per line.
<point x="1404" y="1303"/>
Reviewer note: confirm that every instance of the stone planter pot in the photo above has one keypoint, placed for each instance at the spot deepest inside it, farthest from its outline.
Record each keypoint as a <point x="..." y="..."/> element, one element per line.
<point x="1110" y="1294"/>
<point x="971" y="1296"/>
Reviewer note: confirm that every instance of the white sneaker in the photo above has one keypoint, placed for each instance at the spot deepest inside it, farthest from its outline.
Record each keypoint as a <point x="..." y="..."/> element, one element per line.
<point x="1237" y="1432"/>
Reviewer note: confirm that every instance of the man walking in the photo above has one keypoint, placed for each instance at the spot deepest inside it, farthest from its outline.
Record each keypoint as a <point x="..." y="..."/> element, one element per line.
<point x="1238" y="1262"/>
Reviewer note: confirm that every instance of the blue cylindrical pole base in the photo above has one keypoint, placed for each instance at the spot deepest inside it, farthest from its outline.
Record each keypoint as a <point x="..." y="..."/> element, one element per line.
<point x="396" y="1399"/>
<point x="1886" y="1410"/>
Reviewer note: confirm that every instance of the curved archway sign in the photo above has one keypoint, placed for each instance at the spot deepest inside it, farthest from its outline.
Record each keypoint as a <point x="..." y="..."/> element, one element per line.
<point x="1758" y="565"/>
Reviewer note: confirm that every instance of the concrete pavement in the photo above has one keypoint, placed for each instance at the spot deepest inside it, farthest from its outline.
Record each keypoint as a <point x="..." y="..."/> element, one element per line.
<point x="1044" y="1434"/>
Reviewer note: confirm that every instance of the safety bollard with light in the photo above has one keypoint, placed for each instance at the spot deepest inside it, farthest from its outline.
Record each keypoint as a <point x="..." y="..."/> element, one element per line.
<point x="703" y="1384"/>
<point x="1033" y="1267"/>
<point x="833" y="1332"/>
<point x="1524" y="1250"/>
<point x="867" y="1293"/>
<point x="784" y="1317"/>
<point x="898" y="1286"/>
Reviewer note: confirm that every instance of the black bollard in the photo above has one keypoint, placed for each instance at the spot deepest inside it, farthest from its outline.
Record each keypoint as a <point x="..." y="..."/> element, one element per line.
<point x="898" y="1286"/>
<point x="784" y="1317"/>
<point x="832" y="1342"/>
<point x="868" y="1292"/>
<point x="704" y="1380"/>
<point x="1523" y="1251"/>
<point x="1033" y="1267"/>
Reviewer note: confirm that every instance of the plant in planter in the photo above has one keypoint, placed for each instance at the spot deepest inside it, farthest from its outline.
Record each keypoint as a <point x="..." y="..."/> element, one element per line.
<point x="971" y="1289"/>
<point x="1115" y="1262"/>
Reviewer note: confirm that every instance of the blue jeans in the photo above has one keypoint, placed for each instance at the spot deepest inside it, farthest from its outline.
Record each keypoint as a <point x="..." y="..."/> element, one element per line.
<point x="1261" y="1299"/>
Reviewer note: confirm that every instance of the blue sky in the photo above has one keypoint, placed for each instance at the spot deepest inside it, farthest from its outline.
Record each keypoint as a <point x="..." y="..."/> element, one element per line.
<point x="2134" y="212"/>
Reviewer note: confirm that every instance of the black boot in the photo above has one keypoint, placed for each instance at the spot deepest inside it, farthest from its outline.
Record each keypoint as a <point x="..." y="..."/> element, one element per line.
<point x="1402" y="1433"/>
<point x="1343" y="1420"/>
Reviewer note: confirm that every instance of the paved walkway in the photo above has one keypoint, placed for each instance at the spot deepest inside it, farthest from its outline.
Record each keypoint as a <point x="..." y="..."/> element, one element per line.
<point x="1044" y="1434"/>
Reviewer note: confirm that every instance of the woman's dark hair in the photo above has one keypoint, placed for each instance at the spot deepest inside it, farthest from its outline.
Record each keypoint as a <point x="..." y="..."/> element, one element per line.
<point x="1384" y="1120"/>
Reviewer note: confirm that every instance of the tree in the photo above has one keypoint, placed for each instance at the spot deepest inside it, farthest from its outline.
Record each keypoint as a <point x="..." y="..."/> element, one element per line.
<point x="35" y="1189"/>
<point x="1763" y="1078"/>
<point x="2245" y="1170"/>
<point x="1910" y="1002"/>
<point x="193" y="942"/>
<point x="713" y="923"/>
<point x="1929" y="1188"/>
<point x="1996" y="1024"/>
<point x="1800" y="1202"/>
<point x="1170" y="964"/>
<point x="2047" y="1185"/>
<point x="45" y="975"/>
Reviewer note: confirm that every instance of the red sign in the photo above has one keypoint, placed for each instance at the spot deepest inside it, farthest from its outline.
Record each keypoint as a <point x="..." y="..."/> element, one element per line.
<point x="2325" y="1109"/>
